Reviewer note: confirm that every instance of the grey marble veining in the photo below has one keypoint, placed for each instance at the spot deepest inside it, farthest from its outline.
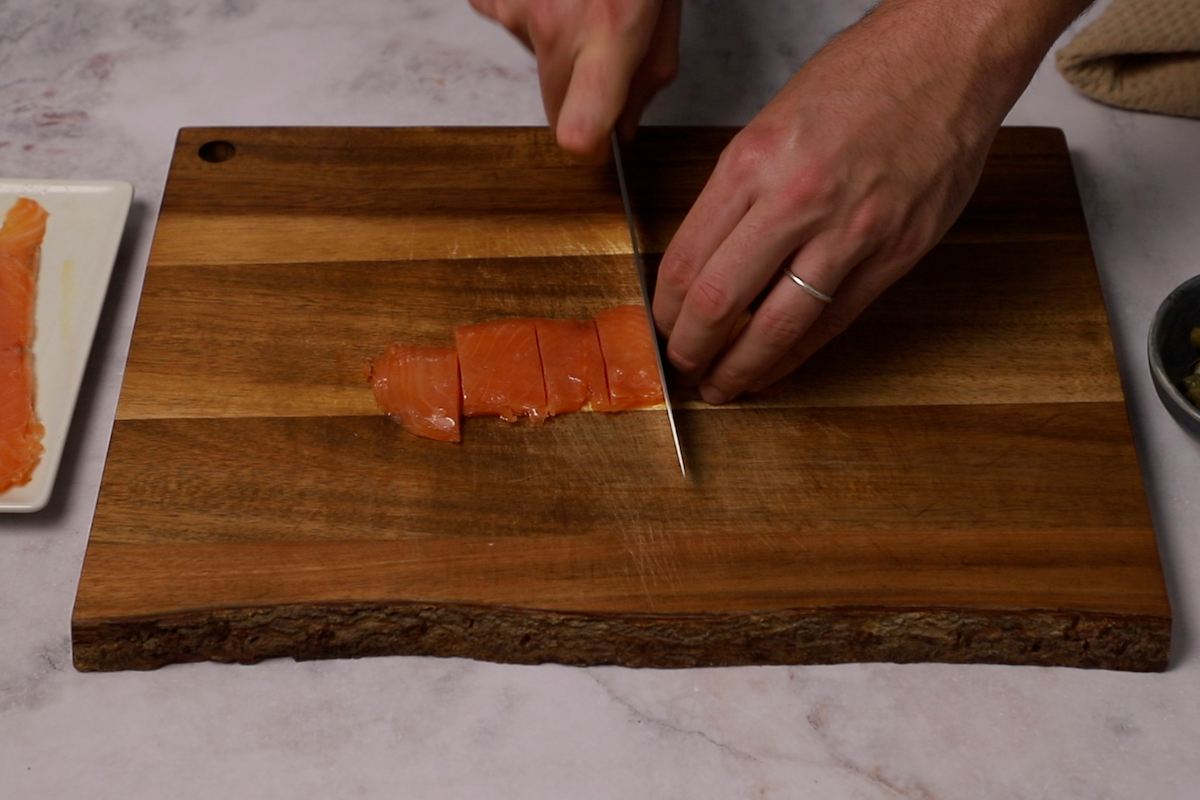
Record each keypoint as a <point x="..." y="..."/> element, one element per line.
<point x="97" y="89"/>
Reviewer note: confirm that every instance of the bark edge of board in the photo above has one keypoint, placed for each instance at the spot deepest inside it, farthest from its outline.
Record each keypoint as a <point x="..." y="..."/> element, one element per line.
<point x="1063" y="638"/>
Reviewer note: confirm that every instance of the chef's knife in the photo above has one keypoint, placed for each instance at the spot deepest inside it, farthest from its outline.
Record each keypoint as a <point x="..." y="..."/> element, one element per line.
<point x="640" y="263"/>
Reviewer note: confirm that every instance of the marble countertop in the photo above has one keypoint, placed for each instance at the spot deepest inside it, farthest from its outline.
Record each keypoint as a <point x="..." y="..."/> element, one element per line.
<point x="98" y="88"/>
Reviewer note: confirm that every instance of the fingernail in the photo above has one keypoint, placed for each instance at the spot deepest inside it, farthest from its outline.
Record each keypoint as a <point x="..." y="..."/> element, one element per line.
<point x="712" y="395"/>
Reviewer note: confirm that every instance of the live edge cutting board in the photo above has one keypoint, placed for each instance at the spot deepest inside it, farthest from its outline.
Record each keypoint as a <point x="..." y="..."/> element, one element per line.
<point x="951" y="480"/>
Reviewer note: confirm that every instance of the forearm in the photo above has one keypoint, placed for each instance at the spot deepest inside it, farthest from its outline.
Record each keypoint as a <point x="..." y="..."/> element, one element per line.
<point x="979" y="54"/>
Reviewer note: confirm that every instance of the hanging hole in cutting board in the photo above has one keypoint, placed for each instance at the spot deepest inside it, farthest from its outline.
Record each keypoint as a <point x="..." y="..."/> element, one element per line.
<point x="217" y="151"/>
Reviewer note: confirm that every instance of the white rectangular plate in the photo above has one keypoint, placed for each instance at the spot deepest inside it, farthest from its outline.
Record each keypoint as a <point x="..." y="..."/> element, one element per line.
<point x="82" y="236"/>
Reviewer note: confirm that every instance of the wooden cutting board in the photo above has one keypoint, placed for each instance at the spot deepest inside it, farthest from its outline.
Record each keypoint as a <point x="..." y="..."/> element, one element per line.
<point x="951" y="480"/>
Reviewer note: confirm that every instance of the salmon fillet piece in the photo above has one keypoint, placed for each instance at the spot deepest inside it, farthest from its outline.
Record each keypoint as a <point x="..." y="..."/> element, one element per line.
<point x="572" y="366"/>
<point x="16" y="303"/>
<point x="513" y="368"/>
<point x="630" y="360"/>
<point x="501" y="369"/>
<point x="419" y="388"/>
<point x="24" y="227"/>
<point x="20" y="431"/>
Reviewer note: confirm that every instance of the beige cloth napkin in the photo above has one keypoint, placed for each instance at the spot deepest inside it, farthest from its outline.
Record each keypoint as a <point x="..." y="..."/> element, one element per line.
<point x="1139" y="54"/>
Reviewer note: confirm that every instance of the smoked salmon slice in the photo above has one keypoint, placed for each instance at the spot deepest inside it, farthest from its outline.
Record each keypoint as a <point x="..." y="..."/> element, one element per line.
<point x="24" y="227"/>
<point x="572" y="366"/>
<point x="513" y="368"/>
<point x="419" y="388"/>
<point x="16" y="303"/>
<point x="630" y="361"/>
<point x="20" y="431"/>
<point x="501" y="369"/>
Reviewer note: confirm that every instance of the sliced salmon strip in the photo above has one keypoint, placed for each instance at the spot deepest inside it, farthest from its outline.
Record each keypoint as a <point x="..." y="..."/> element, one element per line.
<point x="572" y="367"/>
<point x="20" y="432"/>
<point x="16" y="303"/>
<point x="513" y="368"/>
<point x="24" y="227"/>
<point x="501" y="369"/>
<point x="419" y="388"/>
<point x="629" y="357"/>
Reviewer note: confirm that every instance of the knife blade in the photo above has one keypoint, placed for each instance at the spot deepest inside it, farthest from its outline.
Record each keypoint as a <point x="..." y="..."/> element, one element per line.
<point x="640" y="263"/>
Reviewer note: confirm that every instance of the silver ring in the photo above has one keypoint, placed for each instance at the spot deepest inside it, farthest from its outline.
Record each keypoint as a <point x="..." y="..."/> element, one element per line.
<point x="808" y="287"/>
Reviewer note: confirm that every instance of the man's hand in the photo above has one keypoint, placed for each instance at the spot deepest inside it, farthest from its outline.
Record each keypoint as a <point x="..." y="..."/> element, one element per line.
<point x="599" y="61"/>
<point x="847" y="178"/>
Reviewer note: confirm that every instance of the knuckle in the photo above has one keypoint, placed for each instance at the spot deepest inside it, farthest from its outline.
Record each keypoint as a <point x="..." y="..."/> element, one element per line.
<point x="779" y="329"/>
<point x="610" y="15"/>
<point x="910" y="244"/>
<point x="814" y="184"/>
<point x="711" y="302"/>
<point x="747" y="153"/>
<point x="869" y="221"/>
<point x="681" y="360"/>
<point x="544" y="20"/>
<point x="677" y="272"/>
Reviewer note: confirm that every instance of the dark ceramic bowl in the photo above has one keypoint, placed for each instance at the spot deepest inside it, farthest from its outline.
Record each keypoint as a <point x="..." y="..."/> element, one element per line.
<point x="1172" y="355"/>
